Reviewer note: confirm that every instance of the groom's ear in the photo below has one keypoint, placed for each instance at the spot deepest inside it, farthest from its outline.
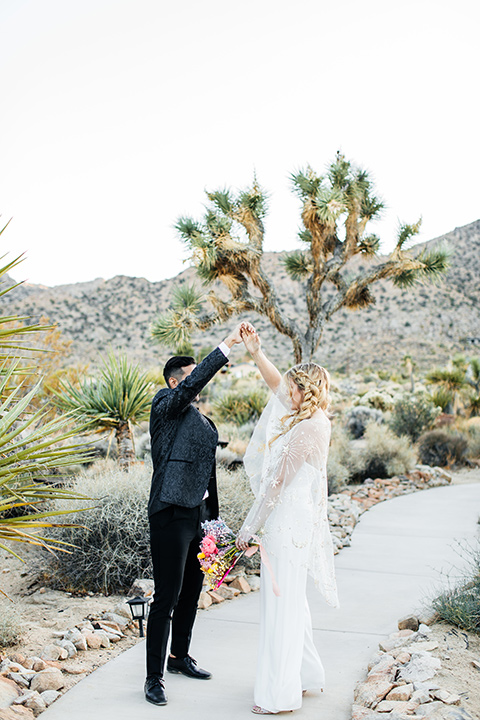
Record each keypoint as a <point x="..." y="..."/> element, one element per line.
<point x="172" y="382"/>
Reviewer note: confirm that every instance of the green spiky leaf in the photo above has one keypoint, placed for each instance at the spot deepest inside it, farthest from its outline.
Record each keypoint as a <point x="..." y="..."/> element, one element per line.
<point x="407" y="231"/>
<point x="297" y="264"/>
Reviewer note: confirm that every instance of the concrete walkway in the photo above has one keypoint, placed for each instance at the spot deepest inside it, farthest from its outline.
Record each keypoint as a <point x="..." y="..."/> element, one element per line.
<point x="398" y="551"/>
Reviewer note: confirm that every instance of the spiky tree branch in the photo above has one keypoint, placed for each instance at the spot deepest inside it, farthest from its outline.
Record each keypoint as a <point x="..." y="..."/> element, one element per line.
<point x="228" y="246"/>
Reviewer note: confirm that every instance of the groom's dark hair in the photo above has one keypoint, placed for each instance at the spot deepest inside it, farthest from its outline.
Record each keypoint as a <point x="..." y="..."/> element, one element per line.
<point x="173" y="367"/>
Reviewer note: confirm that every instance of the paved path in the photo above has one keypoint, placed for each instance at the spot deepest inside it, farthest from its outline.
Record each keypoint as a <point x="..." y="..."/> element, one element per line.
<point x="398" y="550"/>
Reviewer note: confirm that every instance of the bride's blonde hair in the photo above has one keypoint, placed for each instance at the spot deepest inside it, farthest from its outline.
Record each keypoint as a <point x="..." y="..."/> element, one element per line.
<point x="314" y="381"/>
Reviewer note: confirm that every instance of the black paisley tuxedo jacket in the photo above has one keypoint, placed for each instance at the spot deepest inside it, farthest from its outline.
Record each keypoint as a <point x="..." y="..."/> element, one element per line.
<point x="184" y="443"/>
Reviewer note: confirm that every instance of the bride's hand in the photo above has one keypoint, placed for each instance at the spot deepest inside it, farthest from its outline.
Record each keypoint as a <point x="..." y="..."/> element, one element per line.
<point x="250" y="339"/>
<point x="242" y="540"/>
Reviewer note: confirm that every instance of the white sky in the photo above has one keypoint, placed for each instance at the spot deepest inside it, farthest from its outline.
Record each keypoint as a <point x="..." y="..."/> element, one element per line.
<point x="117" y="114"/>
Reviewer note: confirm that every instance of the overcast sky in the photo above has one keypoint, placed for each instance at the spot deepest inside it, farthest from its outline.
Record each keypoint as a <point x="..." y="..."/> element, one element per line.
<point x="117" y="115"/>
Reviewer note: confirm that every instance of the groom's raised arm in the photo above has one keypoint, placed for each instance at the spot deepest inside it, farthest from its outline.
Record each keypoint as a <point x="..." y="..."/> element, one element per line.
<point x="178" y="398"/>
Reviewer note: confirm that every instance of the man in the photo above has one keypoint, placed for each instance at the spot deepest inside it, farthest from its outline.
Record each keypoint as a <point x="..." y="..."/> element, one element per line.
<point x="183" y="494"/>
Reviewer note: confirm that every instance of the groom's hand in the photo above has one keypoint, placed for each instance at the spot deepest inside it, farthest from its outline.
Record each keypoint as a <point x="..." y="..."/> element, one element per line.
<point x="235" y="337"/>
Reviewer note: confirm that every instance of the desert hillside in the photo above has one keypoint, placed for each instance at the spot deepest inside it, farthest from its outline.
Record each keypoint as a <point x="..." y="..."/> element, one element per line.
<point x="429" y="322"/>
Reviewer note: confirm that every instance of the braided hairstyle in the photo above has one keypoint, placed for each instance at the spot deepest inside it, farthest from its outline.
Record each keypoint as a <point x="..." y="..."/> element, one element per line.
<point x="314" y="381"/>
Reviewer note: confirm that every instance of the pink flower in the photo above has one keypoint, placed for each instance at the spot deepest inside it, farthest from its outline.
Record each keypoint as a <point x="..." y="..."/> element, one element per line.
<point x="208" y="545"/>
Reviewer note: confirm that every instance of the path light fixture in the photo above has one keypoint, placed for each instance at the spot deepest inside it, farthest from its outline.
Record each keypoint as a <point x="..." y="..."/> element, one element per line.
<point x="139" y="609"/>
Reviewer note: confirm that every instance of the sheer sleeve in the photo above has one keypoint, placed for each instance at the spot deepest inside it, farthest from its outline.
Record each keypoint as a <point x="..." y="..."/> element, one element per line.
<point x="289" y="452"/>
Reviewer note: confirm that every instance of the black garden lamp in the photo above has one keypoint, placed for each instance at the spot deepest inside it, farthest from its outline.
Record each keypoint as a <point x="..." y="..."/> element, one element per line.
<point x="139" y="610"/>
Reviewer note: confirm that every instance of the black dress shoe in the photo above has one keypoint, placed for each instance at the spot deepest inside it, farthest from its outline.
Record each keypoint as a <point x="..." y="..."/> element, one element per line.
<point x="187" y="666"/>
<point x="155" y="690"/>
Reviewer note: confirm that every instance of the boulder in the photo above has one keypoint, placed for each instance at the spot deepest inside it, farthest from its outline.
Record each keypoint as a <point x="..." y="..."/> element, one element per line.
<point x="372" y="691"/>
<point x="104" y="639"/>
<point x="36" y="703"/>
<point x="53" y="652"/>
<point x="93" y="641"/>
<point x="422" y="666"/>
<point x="242" y="584"/>
<point x="402" y="693"/>
<point x="16" y="712"/>
<point x="9" y="691"/>
<point x="204" y="601"/>
<point x="49" y="679"/>
<point x="68" y="646"/>
<point x="119" y="620"/>
<point x="75" y="636"/>
<point x="254" y="582"/>
<point x="144" y="587"/>
<point x="49" y="696"/>
<point x="409" y="622"/>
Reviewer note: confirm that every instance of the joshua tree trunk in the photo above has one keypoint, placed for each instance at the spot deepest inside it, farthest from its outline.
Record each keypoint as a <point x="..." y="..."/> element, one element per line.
<point x="125" y="445"/>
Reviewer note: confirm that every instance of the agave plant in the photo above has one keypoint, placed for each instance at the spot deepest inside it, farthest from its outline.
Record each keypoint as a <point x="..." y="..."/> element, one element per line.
<point x="119" y="398"/>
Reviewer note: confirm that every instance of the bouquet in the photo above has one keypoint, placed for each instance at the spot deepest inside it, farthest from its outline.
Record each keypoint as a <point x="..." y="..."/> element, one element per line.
<point x="218" y="553"/>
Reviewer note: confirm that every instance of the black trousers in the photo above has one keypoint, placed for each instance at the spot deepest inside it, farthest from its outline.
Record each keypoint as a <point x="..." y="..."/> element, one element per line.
<point x="175" y="535"/>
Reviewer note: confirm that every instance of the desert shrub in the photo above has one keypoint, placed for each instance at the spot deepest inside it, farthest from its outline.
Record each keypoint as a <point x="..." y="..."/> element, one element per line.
<point x="460" y="605"/>
<point x="240" y="408"/>
<point x="343" y="459"/>
<point x="384" y="454"/>
<point x="234" y="495"/>
<point x="412" y="414"/>
<point x="112" y="549"/>
<point x="380" y="400"/>
<point x="442" y="398"/>
<point x="473" y="440"/>
<point x="235" y="499"/>
<point x="358" y="418"/>
<point x="437" y="447"/>
<point x="10" y="624"/>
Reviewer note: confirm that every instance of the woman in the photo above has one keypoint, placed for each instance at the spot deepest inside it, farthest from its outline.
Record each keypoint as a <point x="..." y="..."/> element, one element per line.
<point x="286" y="461"/>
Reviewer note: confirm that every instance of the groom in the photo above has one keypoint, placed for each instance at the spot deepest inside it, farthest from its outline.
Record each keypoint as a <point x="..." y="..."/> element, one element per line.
<point x="183" y="494"/>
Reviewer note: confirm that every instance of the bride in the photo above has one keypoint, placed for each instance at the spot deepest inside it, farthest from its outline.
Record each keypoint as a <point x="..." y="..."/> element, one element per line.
<point x="286" y="462"/>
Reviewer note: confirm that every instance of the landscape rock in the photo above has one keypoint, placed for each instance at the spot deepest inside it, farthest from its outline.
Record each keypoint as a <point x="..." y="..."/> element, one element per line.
<point x="104" y="639"/>
<point x="422" y="666"/>
<point x="254" y="582"/>
<point x="49" y="696"/>
<point x="119" y="620"/>
<point x="409" y="622"/>
<point x="216" y="598"/>
<point x="36" y="703"/>
<point x="16" y="712"/>
<point x="144" y="587"/>
<point x="204" y="601"/>
<point x="20" y="679"/>
<point x="53" y="652"/>
<point x="227" y="592"/>
<point x="374" y="689"/>
<point x="75" y="636"/>
<point x="49" y="679"/>
<point x="241" y="583"/>
<point x="68" y="646"/>
<point x="93" y="641"/>
<point x="401" y="693"/>
<point x="9" y="691"/>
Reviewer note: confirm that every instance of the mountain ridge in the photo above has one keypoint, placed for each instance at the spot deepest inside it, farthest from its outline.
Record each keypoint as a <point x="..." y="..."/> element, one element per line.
<point x="428" y="322"/>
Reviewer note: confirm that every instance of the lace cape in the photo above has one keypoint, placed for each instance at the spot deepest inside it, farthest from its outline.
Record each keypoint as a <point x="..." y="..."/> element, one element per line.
<point x="274" y="466"/>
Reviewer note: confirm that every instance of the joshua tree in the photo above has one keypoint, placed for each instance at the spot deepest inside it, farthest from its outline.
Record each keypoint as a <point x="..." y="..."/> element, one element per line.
<point x="119" y="398"/>
<point x="228" y="246"/>
<point x="456" y="380"/>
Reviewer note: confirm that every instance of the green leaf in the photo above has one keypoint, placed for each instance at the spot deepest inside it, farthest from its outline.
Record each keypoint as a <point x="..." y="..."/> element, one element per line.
<point x="297" y="264"/>
<point x="406" y="231"/>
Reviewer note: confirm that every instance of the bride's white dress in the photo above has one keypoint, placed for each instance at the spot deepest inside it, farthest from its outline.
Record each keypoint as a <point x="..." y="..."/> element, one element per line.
<point x="289" y="480"/>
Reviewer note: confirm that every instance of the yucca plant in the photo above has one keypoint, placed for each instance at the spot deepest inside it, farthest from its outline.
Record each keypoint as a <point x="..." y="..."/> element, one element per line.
<point x="227" y="245"/>
<point x="117" y="399"/>
<point x="33" y="452"/>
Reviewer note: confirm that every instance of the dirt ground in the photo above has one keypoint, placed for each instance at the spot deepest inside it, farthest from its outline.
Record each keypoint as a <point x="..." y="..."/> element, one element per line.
<point x="44" y="611"/>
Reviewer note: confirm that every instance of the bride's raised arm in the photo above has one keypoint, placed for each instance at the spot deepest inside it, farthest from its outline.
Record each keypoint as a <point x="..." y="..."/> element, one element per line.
<point x="267" y="369"/>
